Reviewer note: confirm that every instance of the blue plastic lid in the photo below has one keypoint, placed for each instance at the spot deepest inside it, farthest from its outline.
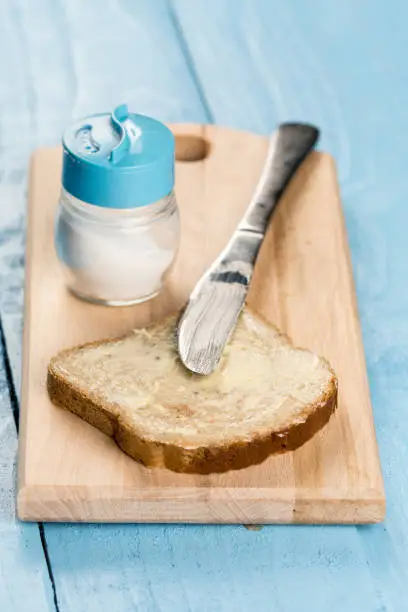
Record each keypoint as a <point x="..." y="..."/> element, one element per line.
<point x="118" y="160"/>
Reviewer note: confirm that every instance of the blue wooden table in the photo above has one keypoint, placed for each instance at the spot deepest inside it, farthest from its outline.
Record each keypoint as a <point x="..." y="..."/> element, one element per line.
<point x="248" y="64"/>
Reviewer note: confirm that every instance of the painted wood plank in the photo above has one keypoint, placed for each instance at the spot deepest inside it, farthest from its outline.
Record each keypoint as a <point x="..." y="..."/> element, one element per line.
<point x="322" y="62"/>
<point x="211" y="568"/>
<point x="23" y="567"/>
<point x="22" y="564"/>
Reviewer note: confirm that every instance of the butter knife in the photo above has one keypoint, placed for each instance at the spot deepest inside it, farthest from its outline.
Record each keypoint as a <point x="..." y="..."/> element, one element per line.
<point x="219" y="296"/>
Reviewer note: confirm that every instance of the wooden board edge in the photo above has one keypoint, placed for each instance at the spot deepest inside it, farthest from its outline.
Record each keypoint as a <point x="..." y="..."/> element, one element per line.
<point x="359" y="333"/>
<point x="22" y="435"/>
<point x="272" y="506"/>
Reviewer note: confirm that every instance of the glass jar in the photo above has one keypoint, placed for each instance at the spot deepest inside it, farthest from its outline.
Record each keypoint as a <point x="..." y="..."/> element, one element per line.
<point x="117" y="223"/>
<point x="116" y="257"/>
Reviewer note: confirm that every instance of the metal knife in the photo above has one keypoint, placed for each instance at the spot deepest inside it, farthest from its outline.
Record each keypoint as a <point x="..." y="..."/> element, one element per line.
<point x="219" y="296"/>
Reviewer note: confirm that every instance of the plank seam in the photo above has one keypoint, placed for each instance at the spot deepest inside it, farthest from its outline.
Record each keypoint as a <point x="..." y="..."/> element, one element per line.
<point x="16" y="417"/>
<point x="190" y="64"/>
<point x="49" y="568"/>
<point x="10" y="380"/>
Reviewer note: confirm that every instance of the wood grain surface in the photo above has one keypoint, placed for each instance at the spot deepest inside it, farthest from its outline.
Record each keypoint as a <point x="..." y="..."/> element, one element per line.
<point x="302" y="282"/>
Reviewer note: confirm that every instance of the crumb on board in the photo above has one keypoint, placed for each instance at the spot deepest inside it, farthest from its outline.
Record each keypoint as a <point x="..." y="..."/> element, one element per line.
<point x="254" y="527"/>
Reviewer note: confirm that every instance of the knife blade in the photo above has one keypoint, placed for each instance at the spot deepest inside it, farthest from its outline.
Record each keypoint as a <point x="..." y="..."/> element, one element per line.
<point x="219" y="296"/>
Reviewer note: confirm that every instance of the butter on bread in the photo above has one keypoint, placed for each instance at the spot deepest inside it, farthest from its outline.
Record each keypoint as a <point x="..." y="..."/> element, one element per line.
<point x="266" y="397"/>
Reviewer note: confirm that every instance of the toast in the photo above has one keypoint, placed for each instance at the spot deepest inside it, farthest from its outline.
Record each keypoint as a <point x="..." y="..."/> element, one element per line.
<point x="266" y="396"/>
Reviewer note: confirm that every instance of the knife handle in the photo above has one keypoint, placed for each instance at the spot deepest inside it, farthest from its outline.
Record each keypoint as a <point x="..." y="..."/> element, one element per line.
<point x="288" y="147"/>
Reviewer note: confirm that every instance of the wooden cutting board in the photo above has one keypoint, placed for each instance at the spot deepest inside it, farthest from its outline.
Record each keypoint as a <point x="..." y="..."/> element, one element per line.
<point x="69" y="471"/>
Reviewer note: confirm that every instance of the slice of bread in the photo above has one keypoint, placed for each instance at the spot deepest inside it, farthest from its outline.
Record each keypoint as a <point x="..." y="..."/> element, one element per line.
<point x="266" y="397"/>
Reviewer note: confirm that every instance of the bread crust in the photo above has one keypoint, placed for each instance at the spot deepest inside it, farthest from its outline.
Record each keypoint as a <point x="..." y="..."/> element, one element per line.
<point x="216" y="458"/>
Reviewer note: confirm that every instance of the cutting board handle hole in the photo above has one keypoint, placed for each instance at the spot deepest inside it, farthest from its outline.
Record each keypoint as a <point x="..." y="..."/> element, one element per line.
<point x="191" y="148"/>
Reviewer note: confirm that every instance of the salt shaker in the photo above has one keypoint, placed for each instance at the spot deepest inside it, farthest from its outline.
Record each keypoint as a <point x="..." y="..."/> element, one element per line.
<point x="117" y="225"/>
